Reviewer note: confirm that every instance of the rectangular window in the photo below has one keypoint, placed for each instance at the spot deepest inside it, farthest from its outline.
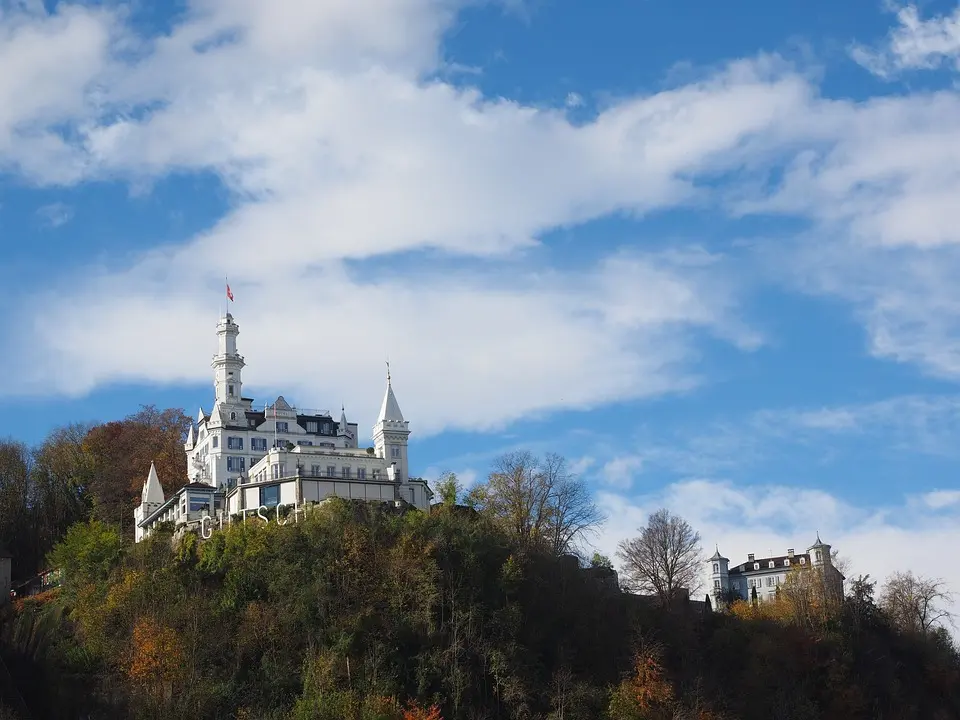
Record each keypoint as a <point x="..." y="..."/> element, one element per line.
<point x="361" y="473"/>
<point x="716" y="584"/>
<point x="230" y="390"/>
<point x="304" y="442"/>
<point x="236" y="464"/>
<point x="315" y="470"/>
<point x="770" y="582"/>
<point x="376" y="474"/>
<point x="312" y="426"/>
<point x="199" y="504"/>
<point x="326" y="428"/>
<point x="216" y="441"/>
<point x="282" y="426"/>
<point x="331" y="470"/>
<point x="395" y="452"/>
<point x="275" y="471"/>
<point x="234" y="443"/>
<point x="280" y="443"/>
<point x="258" y="444"/>
<point x="345" y="472"/>
<point x="270" y="495"/>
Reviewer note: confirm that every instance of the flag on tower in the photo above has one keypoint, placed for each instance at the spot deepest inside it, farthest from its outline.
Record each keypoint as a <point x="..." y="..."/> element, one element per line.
<point x="229" y="293"/>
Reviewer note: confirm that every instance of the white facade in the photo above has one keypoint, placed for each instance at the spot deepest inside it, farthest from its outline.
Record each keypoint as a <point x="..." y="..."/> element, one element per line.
<point x="764" y="575"/>
<point x="240" y="458"/>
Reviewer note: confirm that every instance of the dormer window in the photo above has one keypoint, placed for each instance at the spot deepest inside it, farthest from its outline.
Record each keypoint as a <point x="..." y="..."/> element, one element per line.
<point x="756" y="566"/>
<point x="786" y="563"/>
<point x="803" y="561"/>
<point x="772" y="564"/>
<point x="233" y="415"/>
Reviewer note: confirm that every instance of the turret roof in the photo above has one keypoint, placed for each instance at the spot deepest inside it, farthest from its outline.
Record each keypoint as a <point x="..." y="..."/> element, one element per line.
<point x="152" y="490"/>
<point x="390" y="409"/>
<point x="718" y="556"/>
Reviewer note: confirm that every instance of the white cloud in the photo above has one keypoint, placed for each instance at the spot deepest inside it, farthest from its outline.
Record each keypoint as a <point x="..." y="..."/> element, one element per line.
<point x="769" y="519"/>
<point x="335" y="157"/>
<point x="620" y="471"/>
<point x="940" y="499"/>
<point x="574" y="100"/>
<point x="55" y="215"/>
<point x="915" y="44"/>
<point x="319" y="118"/>
<point x="461" y="338"/>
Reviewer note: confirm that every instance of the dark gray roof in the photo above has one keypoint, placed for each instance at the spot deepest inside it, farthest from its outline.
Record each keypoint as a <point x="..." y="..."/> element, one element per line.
<point x="746" y="568"/>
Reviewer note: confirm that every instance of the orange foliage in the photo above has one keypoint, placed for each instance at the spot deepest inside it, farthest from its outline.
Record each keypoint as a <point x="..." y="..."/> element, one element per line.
<point x="648" y="686"/>
<point x="415" y="712"/>
<point x="156" y="654"/>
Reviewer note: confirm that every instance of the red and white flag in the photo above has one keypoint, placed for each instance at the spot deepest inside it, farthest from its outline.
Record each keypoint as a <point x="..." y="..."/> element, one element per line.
<point x="229" y="293"/>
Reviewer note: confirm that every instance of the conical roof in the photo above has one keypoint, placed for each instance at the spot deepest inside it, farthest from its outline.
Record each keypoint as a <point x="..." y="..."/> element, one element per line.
<point x="390" y="408"/>
<point x="152" y="491"/>
<point x="717" y="555"/>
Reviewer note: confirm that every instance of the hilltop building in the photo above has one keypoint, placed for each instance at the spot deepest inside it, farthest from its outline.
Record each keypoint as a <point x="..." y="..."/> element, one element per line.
<point x="765" y="575"/>
<point x="240" y="459"/>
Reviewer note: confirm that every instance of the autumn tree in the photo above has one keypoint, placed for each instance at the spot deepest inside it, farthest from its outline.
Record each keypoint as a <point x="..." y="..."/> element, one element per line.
<point x="538" y="500"/>
<point x="121" y="453"/>
<point x="663" y="558"/>
<point x="16" y="534"/>
<point x="916" y="604"/>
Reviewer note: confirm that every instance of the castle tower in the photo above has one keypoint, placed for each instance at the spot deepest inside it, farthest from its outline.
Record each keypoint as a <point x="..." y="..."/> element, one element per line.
<point x="820" y="553"/>
<point x="719" y="574"/>
<point x="391" y="433"/>
<point x="151" y="498"/>
<point x="227" y="363"/>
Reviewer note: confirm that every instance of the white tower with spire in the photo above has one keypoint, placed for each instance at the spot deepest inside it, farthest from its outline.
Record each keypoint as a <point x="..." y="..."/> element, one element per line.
<point x="391" y="433"/>
<point x="151" y="498"/>
<point x="227" y="365"/>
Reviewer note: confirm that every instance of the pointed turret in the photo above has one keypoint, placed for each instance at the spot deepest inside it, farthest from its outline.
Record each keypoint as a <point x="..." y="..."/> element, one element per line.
<point x="201" y="416"/>
<point x="216" y="417"/>
<point x="151" y="499"/>
<point x="390" y="408"/>
<point x="344" y="428"/>
<point x="717" y="555"/>
<point x="391" y="432"/>
<point x="152" y="490"/>
<point x="191" y="441"/>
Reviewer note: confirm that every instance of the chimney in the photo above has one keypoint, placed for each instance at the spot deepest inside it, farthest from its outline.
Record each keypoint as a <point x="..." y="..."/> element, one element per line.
<point x="790" y="552"/>
<point x="750" y="557"/>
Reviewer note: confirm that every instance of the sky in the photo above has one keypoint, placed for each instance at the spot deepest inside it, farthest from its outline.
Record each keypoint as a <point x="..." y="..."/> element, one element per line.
<point x="705" y="251"/>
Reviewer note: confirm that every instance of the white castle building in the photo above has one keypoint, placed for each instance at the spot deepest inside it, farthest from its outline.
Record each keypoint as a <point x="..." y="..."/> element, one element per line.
<point x="241" y="459"/>
<point x="762" y="576"/>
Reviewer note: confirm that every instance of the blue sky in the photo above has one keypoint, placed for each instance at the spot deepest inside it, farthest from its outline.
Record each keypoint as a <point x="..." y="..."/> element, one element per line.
<point x="705" y="251"/>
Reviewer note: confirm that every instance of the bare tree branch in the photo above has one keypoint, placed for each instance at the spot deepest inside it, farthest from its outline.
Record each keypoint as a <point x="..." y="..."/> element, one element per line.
<point x="665" y="557"/>
<point x="915" y="603"/>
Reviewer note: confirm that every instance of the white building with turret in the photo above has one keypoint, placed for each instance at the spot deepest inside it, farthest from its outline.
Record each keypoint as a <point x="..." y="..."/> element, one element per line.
<point x="241" y="459"/>
<point x="761" y="577"/>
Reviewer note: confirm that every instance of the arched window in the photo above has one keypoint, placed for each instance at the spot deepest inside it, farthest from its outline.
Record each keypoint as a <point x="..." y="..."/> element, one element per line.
<point x="716" y="567"/>
<point x="233" y="416"/>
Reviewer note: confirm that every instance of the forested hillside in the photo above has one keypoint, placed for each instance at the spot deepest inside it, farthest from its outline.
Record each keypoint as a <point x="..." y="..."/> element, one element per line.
<point x="369" y="612"/>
